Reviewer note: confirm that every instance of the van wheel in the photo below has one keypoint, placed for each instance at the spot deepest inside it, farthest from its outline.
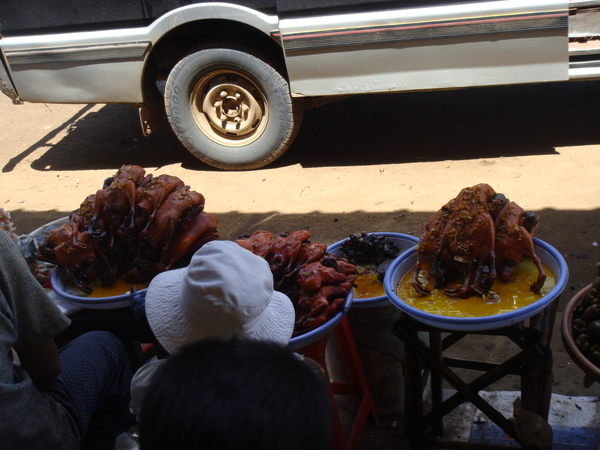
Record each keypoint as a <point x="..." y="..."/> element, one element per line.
<point x="230" y="109"/>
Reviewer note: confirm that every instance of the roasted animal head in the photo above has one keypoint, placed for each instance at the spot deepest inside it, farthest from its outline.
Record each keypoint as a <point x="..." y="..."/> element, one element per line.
<point x="136" y="223"/>
<point x="477" y="236"/>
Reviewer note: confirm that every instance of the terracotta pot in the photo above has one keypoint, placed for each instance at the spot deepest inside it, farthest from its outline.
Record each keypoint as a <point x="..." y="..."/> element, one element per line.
<point x="567" y="337"/>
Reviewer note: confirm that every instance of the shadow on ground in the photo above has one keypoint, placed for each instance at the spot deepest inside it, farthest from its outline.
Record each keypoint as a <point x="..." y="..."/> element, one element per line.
<point x="573" y="232"/>
<point x="359" y="130"/>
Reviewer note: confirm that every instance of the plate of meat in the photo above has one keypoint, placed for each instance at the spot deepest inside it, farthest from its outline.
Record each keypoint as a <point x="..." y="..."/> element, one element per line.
<point x="319" y="285"/>
<point x="404" y="265"/>
<point x="477" y="265"/>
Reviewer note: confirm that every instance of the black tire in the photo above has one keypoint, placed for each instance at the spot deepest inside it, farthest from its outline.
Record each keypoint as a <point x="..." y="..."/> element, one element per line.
<point x="230" y="109"/>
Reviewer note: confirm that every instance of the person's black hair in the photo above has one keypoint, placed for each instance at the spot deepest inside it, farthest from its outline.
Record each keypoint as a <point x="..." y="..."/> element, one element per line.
<point x="236" y="395"/>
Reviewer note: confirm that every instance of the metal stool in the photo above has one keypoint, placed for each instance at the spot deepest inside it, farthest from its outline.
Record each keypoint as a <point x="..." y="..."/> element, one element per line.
<point x="356" y="385"/>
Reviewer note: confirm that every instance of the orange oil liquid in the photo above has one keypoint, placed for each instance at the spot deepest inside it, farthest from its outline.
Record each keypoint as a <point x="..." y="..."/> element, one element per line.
<point x="119" y="287"/>
<point x="367" y="284"/>
<point x="502" y="298"/>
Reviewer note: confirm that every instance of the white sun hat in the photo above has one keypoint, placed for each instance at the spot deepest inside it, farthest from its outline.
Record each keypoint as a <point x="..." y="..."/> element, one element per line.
<point x="225" y="291"/>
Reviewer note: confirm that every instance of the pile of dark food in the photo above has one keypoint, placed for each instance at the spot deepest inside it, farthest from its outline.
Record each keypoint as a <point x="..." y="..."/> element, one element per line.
<point x="315" y="281"/>
<point x="135" y="227"/>
<point x="585" y="323"/>
<point x="369" y="250"/>
<point x="476" y="237"/>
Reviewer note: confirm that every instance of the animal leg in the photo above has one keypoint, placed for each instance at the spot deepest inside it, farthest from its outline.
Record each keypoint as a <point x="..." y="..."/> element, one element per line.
<point x="461" y="290"/>
<point x="529" y="247"/>
<point x="484" y="279"/>
<point x="416" y="283"/>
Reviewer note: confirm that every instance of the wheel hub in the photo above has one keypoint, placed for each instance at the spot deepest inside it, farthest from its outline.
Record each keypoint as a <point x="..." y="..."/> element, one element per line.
<point x="231" y="106"/>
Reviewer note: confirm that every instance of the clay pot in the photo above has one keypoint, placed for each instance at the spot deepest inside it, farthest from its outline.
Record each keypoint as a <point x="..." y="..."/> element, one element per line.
<point x="569" y="342"/>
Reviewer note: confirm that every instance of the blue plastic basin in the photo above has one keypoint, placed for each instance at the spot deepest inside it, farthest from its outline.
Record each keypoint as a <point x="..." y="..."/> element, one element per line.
<point x="405" y="262"/>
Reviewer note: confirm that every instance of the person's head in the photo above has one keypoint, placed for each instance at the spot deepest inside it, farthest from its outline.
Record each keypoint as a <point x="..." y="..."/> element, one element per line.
<point x="240" y="394"/>
<point x="225" y="291"/>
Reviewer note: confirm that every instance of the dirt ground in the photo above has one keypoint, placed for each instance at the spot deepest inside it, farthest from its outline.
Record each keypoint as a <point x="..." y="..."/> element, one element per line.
<point x="368" y="163"/>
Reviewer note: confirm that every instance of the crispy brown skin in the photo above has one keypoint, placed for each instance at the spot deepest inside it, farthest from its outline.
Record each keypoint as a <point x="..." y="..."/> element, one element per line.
<point x="316" y="282"/>
<point x="477" y="236"/>
<point x="135" y="226"/>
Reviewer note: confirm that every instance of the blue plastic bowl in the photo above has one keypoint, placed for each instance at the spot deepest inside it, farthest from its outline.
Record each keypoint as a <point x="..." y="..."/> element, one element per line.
<point x="405" y="262"/>
<point x="313" y="336"/>
<point x="404" y="243"/>
<point x="59" y="280"/>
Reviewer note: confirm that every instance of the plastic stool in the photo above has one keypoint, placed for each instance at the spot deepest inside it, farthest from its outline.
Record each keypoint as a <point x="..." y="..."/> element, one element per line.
<point x="356" y="385"/>
<point x="140" y="353"/>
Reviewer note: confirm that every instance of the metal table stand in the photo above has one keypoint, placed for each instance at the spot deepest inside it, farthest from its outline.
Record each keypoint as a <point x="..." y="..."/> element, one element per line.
<point x="533" y="363"/>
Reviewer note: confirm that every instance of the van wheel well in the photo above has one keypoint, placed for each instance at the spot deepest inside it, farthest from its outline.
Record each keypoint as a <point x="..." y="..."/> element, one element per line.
<point x="191" y="38"/>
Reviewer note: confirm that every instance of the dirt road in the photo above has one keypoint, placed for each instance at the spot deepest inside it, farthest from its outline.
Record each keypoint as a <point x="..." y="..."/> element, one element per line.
<point x="377" y="163"/>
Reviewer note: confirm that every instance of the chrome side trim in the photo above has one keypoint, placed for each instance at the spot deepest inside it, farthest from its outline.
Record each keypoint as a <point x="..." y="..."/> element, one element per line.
<point x="584" y="71"/>
<point x="78" y="53"/>
<point x="584" y="52"/>
<point x="436" y="29"/>
<point x="573" y="4"/>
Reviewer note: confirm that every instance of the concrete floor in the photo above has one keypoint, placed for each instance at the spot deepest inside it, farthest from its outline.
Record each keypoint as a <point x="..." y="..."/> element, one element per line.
<point x="574" y="424"/>
<point x="574" y="421"/>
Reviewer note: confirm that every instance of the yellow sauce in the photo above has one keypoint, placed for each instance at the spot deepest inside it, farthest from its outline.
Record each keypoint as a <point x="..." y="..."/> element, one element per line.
<point x="119" y="287"/>
<point x="367" y="283"/>
<point x="502" y="298"/>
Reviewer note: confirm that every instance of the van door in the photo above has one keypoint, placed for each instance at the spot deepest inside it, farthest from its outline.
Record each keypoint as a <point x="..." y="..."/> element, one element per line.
<point x="401" y="45"/>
